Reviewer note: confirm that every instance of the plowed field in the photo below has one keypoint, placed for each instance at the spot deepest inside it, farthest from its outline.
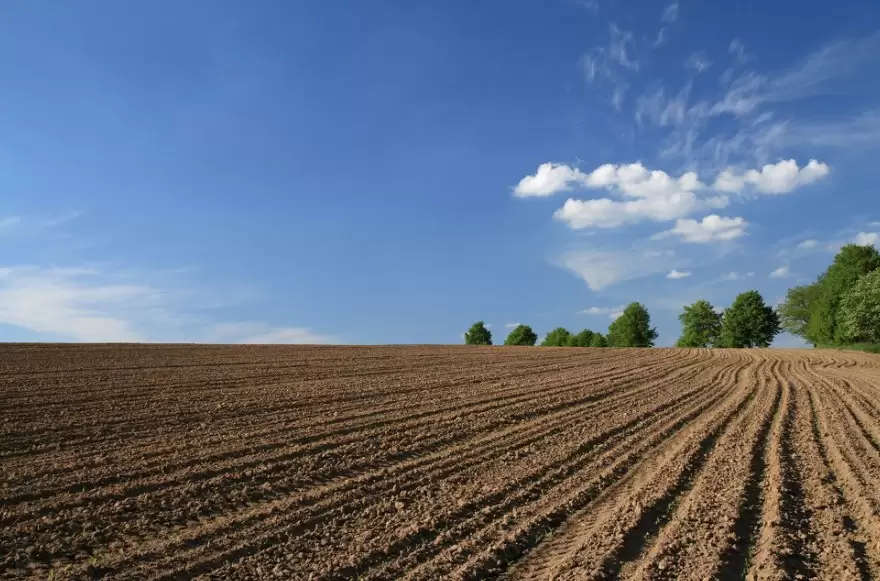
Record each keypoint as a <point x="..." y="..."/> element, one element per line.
<point x="173" y="462"/>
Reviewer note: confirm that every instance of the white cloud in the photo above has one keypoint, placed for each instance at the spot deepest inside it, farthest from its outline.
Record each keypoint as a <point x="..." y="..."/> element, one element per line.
<point x="867" y="239"/>
<point x="551" y="178"/>
<point x="712" y="228"/>
<point x="653" y="195"/>
<point x="737" y="276"/>
<point x="614" y="315"/>
<point x="594" y="311"/>
<point x="72" y="304"/>
<point x="511" y="325"/>
<point x="9" y="221"/>
<point x="698" y="62"/>
<point x="778" y="178"/>
<point x="781" y="272"/>
<point x="675" y="274"/>
<point x="807" y="244"/>
<point x="670" y="13"/>
<point x="93" y="305"/>
<point x="604" y="268"/>
<point x="290" y="336"/>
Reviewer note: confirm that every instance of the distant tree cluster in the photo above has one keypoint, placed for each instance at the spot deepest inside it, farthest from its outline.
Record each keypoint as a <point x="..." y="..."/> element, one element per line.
<point x="842" y="307"/>
<point x="631" y="329"/>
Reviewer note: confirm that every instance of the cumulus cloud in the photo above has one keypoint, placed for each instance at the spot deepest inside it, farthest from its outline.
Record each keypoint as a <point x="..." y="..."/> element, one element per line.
<point x="676" y="274"/>
<point x="781" y="272"/>
<point x="604" y="268"/>
<point x="778" y="178"/>
<point x="867" y="239"/>
<point x="712" y="228"/>
<point x="551" y="178"/>
<point x="653" y="194"/>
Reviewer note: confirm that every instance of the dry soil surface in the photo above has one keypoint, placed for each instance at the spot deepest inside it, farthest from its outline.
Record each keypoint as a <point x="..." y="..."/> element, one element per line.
<point x="262" y="462"/>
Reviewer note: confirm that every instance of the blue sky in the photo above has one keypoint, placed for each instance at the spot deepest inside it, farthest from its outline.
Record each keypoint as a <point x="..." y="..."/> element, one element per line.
<point x="389" y="172"/>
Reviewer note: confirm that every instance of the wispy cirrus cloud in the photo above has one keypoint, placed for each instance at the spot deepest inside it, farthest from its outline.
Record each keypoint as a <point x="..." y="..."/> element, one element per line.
<point x="101" y="305"/>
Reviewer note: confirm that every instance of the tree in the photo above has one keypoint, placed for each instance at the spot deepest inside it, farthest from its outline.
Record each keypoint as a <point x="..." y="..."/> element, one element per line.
<point x="558" y="337"/>
<point x="598" y="340"/>
<point x="582" y="339"/>
<point x="794" y="312"/>
<point x="700" y="325"/>
<point x="478" y="335"/>
<point x="749" y="322"/>
<point x="521" y="335"/>
<point x="632" y="328"/>
<point x="851" y="263"/>
<point x="859" y="315"/>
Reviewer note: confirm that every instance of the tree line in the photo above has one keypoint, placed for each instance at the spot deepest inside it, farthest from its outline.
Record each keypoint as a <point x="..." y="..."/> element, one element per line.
<point x="631" y="329"/>
<point x="842" y="307"/>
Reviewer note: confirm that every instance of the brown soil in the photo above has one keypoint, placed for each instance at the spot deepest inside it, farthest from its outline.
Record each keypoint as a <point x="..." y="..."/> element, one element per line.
<point x="176" y="462"/>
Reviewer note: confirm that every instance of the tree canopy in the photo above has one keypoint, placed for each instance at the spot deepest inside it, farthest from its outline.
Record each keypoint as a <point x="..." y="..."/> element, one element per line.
<point x="749" y="322"/>
<point x="521" y="335"/>
<point x="558" y="337"/>
<point x="851" y="263"/>
<point x="859" y="319"/>
<point x="700" y="325"/>
<point x="598" y="340"/>
<point x="794" y="312"/>
<point x="632" y="328"/>
<point x="582" y="339"/>
<point x="478" y="334"/>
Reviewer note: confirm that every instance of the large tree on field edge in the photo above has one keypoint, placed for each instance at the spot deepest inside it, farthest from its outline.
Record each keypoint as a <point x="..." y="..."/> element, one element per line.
<point x="521" y="335"/>
<point x="632" y="328"/>
<point x="478" y="334"/>
<point x="749" y="322"/>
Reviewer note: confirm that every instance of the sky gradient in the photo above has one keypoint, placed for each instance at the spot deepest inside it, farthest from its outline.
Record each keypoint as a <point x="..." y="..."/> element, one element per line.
<point x="390" y="172"/>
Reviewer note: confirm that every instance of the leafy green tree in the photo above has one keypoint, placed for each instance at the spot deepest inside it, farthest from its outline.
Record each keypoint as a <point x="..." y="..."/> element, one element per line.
<point x="598" y="340"/>
<point x="851" y="263"/>
<point x="582" y="339"/>
<point x="478" y="335"/>
<point x="632" y="328"/>
<point x="521" y="335"/>
<point x="558" y="337"/>
<point x="749" y="322"/>
<point x="794" y="312"/>
<point x="859" y="316"/>
<point x="700" y="325"/>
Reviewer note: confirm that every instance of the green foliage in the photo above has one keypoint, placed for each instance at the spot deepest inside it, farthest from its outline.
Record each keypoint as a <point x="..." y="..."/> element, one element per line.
<point x="582" y="339"/>
<point x="849" y="265"/>
<point x="794" y="312"/>
<point x="598" y="340"/>
<point x="700" y="325"/>
<point x="866" y="347"/>
<point x="478" y="335"/>
<point x="632" y="328"/>
<point x="859" y="315"/>
<point x="558" y="337"/>
<point x="521" y="335"/>
<point x="749" y="322"/>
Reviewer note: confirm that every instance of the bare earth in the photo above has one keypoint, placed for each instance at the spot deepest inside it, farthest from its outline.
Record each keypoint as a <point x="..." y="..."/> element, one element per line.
<point x="173" y="462"/>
